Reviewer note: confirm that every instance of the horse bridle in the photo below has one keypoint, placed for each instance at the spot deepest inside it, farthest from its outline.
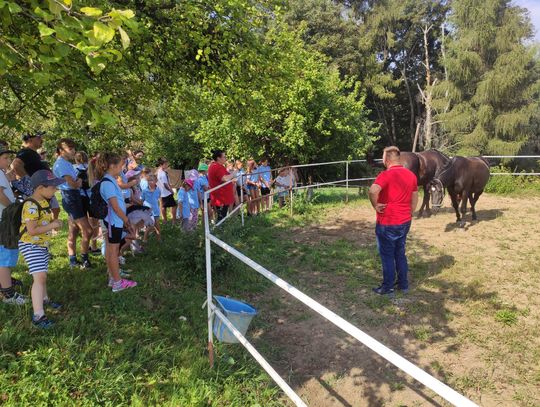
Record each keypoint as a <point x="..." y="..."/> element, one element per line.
<point x="438" y="181"/>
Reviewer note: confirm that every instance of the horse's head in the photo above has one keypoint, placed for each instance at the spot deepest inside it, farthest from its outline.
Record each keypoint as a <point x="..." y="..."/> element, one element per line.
<point x="436" y="190"/>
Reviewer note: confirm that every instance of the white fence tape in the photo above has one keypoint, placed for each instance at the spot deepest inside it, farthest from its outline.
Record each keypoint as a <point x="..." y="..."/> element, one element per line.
<point x="259" y="358"/>
<point x="429" y="381"/>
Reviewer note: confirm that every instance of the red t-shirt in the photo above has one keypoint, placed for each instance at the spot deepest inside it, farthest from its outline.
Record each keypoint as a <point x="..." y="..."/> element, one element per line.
<point x="398" y="184"/>
<point x="223" y="196"/>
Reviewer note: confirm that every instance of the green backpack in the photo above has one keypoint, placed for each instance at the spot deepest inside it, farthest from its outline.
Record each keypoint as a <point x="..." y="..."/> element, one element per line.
<point x="10" y="224"/>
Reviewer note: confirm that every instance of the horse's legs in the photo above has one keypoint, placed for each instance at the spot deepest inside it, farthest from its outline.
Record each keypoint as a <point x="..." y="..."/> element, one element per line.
<point x="426" y="199"/>
<point x="455" y="204"/>
<point x="464" y="198"/>
<point x="473" y="201"/>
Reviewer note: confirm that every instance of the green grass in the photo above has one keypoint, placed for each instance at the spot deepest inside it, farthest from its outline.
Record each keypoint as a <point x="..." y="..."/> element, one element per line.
<point x="127" y="348"/>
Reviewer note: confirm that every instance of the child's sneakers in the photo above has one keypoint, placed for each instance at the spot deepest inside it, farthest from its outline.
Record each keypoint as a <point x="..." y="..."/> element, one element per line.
<point x="17" y="299"/>
<point x="122" y="285"/>
<point x="51" y="304"/>
<point x="42" y="322"/>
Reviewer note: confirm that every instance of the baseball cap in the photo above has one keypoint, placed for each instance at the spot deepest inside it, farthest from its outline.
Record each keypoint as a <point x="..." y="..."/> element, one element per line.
<point x="28" y="136"/>
<point x="45" y="178"/>
<point x="203" y="167"/>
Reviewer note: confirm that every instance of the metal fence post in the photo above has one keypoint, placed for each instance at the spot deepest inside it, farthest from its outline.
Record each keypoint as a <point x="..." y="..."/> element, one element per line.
<point x="242" y="180"/>
<point x="291" y="201"/>
<point x="208" y="250"/>
<point x="347" y="182"/>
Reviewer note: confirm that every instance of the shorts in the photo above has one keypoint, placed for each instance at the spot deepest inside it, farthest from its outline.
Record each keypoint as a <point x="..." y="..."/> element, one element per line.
<point x="283" y="194"/>
<point x="36" y="257"/>
<point x="73" y="204"/>
<point x="250" y="187"/>
<point x="265" y="191"/>
<point x="115" y="235"/>
<point x="8" y="257"/>
<point x="168" y="201"/>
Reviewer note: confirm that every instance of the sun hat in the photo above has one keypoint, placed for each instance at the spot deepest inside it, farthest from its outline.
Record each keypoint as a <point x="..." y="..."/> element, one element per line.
<point x="189" y="182"/>
<point x="202" y="167"/>
<point x="45" y="178"/>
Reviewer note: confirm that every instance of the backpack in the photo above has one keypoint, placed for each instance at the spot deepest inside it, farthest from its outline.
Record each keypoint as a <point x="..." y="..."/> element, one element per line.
<point x="98" y="208"/>
<point x="10" y="224"/>
<point x="83" y="175"/>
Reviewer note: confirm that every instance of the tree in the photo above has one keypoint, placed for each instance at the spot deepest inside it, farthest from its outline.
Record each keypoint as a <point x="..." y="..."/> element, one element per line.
<point x="492" y="95"/>
<point x="51" y="56"/>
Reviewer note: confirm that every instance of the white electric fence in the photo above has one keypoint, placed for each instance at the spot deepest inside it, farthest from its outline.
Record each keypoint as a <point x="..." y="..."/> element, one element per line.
<point x="414" y="371"/>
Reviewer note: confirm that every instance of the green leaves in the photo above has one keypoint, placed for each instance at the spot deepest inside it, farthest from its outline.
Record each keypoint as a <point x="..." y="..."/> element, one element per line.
<point x="124" y="37"/>
<point x="44" y="30"/>
<point x="92" y="11"/>
<point x="103" y="33"/>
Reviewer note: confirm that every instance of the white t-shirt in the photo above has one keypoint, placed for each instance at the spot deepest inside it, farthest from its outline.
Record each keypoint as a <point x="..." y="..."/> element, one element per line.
<point x="284" y="180"/>
<point x="6" y="189"/>
<point x="162" y="179"/>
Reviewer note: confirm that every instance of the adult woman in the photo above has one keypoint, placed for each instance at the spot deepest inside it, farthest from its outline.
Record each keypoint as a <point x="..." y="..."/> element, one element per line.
<point x="223" y="197"/>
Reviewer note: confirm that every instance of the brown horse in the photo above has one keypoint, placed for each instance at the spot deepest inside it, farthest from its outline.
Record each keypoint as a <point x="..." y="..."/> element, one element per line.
<point x="424" y="165"/>
<point x="464" y="178"/>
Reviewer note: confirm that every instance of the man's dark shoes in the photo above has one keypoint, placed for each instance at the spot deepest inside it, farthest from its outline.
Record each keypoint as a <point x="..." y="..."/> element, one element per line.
<point x="383" y="291"/>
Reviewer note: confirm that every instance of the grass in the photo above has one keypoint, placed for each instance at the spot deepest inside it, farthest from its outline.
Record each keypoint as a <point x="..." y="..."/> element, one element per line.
<point x="147" y="346"/>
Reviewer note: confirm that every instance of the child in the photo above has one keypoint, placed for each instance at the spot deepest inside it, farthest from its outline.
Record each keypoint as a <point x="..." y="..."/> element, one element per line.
<point x="193" y="198"/>
<point x="151" y="196"/>
<point x="167" y="194"/>
<point x="266" y="181"/>
<point x="253" y="182"/>
<point x="145" y="173"/>
<point x="72" y="203"/>
<point x="82" y="168"/>
<point x="201" y="185"/>
<point x="283" y="183"/>
<point x="108" y="168"/>
<point x="184" y="208"/>
<point x="240" y="183"/>
<point x="8" y="257"/>
<point x="36" y="226"/>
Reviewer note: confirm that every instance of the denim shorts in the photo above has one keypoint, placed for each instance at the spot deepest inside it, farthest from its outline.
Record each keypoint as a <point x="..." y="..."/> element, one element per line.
<point x="73" y="204"/>
<point x="8" y="257"/>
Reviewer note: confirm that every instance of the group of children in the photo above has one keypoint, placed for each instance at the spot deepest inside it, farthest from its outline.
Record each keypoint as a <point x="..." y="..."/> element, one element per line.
<point x="111" y="197"/>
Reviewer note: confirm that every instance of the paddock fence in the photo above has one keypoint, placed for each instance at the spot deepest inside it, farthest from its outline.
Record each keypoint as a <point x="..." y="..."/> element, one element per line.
<point x="348" y="174"/>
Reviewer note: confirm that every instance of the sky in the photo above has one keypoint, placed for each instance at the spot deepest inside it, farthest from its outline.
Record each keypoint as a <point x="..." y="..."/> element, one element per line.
<point x="534" y="8"/>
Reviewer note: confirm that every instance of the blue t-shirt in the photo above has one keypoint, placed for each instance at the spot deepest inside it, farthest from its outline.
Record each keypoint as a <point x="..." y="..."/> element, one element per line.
<point x="110" y="190"/>
<point x="151" y="199"/>
<point x="183" y="197"/>
<point x="201" y="182"/>
<point x="266" y="173"/>
<point x="193" y="197"/>
<point x="61" y="168"/>
<point x="241" y="180"/>
<point x="254" y="176"/>
<point x="125" y="192"/>
<point x="143" y="184"/>
<point x="83" y="167"/>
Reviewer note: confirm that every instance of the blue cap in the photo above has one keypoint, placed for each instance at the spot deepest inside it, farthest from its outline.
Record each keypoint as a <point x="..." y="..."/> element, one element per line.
<point x="45" y="178"/>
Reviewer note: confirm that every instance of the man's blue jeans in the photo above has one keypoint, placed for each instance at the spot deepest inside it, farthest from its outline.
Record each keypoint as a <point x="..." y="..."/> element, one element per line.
<point x="391" y="241"/>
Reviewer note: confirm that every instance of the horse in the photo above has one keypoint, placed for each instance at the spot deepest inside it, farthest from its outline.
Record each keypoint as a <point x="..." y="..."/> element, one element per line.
<point x="464" y="178"/>
<point x="424" y="165"/>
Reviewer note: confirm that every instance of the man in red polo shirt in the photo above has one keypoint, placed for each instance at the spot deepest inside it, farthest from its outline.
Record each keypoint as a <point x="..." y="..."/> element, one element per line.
<point x="394" y="196"/>
<point x="223" y="197"/>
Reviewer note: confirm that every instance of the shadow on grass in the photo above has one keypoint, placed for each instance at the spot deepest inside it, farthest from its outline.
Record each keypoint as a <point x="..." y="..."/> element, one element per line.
<point x="339" y="274"/>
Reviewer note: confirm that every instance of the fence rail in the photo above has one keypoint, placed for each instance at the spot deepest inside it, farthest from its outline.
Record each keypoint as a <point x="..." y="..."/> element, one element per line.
<point x="414" y="371"/>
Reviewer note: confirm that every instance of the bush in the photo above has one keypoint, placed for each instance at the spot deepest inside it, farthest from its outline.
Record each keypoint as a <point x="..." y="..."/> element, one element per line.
<point x="505" y="184"/>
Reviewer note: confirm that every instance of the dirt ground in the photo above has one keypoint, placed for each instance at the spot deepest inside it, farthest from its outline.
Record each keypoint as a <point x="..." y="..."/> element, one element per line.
<point x="472" y="318"/>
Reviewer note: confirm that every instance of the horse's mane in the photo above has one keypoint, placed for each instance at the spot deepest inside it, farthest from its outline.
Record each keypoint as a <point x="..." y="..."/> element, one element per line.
<point x="441" y="153"/>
